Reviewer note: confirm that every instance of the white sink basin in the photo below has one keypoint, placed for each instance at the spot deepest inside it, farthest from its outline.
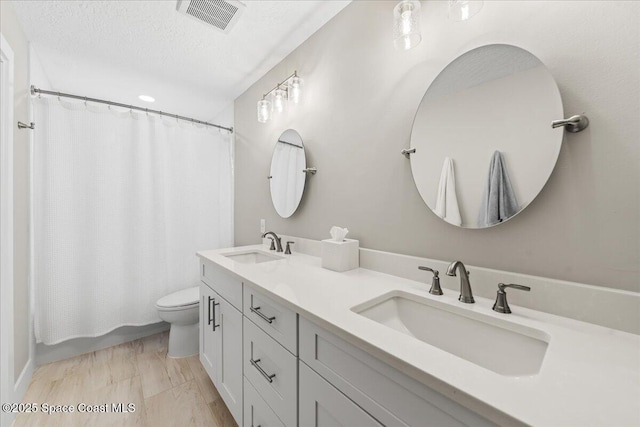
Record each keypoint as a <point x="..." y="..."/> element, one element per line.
<point x="495" y="344"/>
<point x="252" y="257"/>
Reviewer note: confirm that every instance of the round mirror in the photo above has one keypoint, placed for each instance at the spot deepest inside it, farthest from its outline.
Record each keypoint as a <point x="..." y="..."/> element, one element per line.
<point x="287" y="177"/>
<point x="483" y="138"/>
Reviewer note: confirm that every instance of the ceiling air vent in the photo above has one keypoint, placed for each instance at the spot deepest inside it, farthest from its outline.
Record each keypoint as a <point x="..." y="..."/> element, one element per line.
<point x="222" y="14"/>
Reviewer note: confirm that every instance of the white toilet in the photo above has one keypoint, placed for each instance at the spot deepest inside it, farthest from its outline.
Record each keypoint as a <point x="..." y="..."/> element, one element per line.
<point x="180" y="309"/>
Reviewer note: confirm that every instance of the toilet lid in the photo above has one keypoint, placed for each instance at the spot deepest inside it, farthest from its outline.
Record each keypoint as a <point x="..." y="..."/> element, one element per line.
<point x="181" y="298"/>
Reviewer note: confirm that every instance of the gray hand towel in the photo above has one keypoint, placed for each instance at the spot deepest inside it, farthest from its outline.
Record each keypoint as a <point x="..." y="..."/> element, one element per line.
<point x="499" y="202"/>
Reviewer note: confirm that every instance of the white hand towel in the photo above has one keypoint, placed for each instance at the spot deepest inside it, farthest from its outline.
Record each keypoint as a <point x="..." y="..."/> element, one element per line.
<point x="447" y="200"/>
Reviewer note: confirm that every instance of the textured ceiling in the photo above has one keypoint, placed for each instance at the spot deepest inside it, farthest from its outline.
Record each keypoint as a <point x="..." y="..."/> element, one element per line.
<point x="121" y="49"/>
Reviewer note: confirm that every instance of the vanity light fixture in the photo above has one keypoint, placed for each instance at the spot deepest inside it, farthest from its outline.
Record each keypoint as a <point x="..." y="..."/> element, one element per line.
<point x="278" y="99"/>
<point x="294" y="89"/>
<point x="406" y="24"/>
<point x="264" y="110"/>
<point x="461" y="10"/>
<point x="288" y="89"/>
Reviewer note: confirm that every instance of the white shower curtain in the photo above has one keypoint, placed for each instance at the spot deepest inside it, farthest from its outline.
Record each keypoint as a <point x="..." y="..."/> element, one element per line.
<point x="122" y="202"/>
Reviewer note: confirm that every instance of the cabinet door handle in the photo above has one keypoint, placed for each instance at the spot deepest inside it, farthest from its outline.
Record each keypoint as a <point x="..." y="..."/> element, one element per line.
<point x="252" y="418"/>
<point x="214" y="313"/>
<point x="209" y="319"/>
<point x="259" y="368"/>
<point x="257" y="311"/>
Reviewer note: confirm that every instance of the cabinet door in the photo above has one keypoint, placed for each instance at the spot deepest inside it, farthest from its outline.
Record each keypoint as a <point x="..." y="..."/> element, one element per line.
<point x="322" y="405"/>
<point x="229" y="361"/>
<point x="208" y="346"/>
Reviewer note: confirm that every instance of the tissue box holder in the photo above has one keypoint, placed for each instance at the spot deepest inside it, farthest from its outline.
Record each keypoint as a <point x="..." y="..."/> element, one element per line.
<point x="340" y="256"/>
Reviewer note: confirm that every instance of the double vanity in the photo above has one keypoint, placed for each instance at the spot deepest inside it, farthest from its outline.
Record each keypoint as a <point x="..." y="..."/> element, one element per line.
<point x="288" y="343"/>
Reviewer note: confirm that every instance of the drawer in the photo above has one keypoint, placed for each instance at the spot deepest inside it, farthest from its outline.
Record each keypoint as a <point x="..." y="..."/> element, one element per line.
<point x="276" y="320"/>
<point x="272" y="370"/>
<point x="322" y="405"/>
<point x="390" y="396"/>
<point x="256" y="411"/>
<point x="220" y="280"/>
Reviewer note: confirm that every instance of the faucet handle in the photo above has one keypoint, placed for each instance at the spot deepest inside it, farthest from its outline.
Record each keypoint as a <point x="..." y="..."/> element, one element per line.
<point x="502" y="286"/>
<point x="501" y="305"/>
<point x="273" y="243"/>
<point x="287" y="251"/>
<point x="435" y="283"/>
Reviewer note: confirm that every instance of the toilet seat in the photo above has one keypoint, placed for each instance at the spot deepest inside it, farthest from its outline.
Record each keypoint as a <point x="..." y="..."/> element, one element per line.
<point x="180" y="300"/>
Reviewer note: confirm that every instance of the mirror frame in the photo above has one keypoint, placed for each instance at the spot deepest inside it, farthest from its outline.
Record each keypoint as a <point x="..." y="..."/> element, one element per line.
<point x="560" y="137"/>
<point x="304" y="175"/>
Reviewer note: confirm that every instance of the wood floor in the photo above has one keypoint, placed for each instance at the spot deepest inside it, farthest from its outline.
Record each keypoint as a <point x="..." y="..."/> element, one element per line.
<point x="165" y="391"/>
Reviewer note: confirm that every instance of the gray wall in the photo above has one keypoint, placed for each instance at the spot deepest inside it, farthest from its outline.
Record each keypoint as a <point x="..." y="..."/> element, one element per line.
<point x="360" y="96"/>
<point x="13" y="34"/>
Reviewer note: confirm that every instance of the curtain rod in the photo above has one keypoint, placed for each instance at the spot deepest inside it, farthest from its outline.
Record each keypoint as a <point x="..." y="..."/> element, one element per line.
<point x="288" y="143"/>
<point x="35" y="90"/>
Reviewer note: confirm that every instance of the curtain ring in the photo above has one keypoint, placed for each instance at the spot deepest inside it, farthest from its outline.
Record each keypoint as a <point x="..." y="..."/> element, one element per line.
<point x="85" y="102"/>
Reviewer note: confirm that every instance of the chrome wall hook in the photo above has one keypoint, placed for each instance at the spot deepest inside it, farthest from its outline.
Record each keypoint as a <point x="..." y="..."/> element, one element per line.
<point x="26" y="126"/>
<point x="573" y="124"/>
<point x="311" y="171"/>
<point x="408" y="152"/>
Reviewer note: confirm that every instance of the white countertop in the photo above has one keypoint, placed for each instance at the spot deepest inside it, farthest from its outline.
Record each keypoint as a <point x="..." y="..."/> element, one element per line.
<point x="590" y="374"/>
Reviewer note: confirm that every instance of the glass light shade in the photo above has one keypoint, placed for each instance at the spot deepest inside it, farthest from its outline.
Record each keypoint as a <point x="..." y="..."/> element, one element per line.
<point x="406" y="25"/>
<point x="295" y="89"/>
<point x="279" y="97"/>
<point x="461" y="10"/>
<point x="264" y="110"/>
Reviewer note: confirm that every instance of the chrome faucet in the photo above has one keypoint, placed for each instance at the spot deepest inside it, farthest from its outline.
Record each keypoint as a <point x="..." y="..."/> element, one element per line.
<point x="277" y="239"/>
<point x="465" y="287"/>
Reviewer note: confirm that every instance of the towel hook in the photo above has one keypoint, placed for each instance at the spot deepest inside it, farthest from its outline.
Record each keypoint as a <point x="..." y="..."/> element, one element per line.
<point x="573" y="124"/>
<point x="26" y="126"/>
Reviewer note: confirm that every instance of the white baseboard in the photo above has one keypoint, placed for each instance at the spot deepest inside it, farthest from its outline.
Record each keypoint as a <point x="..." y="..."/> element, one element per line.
<point x="75" y="347"/>
<point x="22" y="383"/>
<point x="20" y="389"/>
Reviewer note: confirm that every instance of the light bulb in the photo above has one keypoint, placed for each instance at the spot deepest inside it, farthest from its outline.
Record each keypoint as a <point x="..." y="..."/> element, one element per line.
<point x="461" y="10"/>
<point x="264" y="110"/>
<point x="278" y="100"/>
<point x="295" y="89"/>
<point x="406" y="25"/>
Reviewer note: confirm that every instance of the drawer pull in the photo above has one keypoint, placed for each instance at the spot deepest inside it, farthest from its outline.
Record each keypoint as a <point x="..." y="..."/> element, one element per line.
<point x="257" y="311"/>
<point x="259" y="368"/>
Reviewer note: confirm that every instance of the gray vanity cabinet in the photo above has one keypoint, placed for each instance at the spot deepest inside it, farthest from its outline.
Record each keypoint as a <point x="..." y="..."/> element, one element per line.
<point x="274" y="368"/>
<point x="221" y="337"/>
